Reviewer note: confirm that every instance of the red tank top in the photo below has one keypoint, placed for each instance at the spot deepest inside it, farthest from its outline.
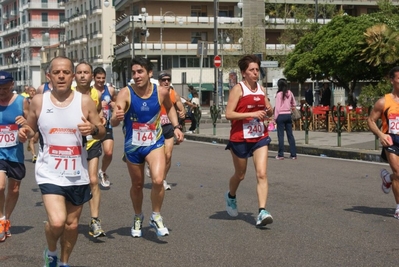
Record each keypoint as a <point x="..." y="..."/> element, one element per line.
<point x="249" y="129"/>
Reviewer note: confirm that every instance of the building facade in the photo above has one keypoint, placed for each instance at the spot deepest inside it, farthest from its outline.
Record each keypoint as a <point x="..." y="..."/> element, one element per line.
<point x="90" y="33"/>
<point x="27" y="28"/>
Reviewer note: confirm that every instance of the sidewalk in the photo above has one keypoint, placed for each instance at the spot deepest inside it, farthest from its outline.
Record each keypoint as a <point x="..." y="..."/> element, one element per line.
<point x="354" y="145"/>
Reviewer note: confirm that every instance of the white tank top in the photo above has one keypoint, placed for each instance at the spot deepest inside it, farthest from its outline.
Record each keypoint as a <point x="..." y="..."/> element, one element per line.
<point x="62" y="159"/>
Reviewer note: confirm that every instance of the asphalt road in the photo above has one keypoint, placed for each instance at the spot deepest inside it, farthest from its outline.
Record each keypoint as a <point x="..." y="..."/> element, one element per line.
<point x="327" y="212"/>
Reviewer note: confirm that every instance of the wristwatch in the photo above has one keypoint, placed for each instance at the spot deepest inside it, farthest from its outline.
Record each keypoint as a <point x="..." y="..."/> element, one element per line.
<point x="177" y="127"/>
<point x="95" y="131"/>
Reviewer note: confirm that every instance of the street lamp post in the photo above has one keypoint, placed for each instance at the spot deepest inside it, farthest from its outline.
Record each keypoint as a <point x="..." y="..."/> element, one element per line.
<point x="215" y="51"/>
<point x="144" y="15"/>
<point x="161" y="31"/>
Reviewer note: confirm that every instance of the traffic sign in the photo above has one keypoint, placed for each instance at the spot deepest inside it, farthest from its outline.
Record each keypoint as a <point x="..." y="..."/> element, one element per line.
<point x="217" y="61"/>
<point x="269" y="64"/>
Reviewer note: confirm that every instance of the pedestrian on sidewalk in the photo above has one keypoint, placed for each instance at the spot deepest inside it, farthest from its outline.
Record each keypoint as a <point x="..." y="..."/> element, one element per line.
<point x="247" y="108"/>
<point x="387" y="109"/>
<point x="285" y="102"/>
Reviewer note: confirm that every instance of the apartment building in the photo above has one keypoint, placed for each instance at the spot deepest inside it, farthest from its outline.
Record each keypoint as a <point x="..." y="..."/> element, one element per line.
<point x="90" y="33"/>
<point x="172" y="33"/>
<point x="27" y="29"/>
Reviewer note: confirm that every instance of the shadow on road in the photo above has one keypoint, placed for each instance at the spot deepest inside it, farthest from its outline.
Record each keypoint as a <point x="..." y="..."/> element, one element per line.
<point x="247" y="217"/>
<point x="387" y="212"/>
<point x="15" y="230"/>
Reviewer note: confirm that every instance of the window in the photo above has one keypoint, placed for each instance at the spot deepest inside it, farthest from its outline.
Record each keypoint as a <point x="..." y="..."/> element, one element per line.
<point x="226" y="11"/>
<point x="44" y="17"/>
<point x="62" y="17"/>
<point x="198" y="36"/>
<point x="193" y="62"/>
<point x="199" y="11"/>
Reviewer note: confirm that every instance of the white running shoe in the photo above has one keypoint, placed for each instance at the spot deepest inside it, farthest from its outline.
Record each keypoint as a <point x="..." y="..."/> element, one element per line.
<point x="385" y="186"/>
<point x="157" y="223"/>
<point x="147" y="171"/>
<point x="104" y="179"/>
<point x="166" y="186"/>
<point x="137" y="225"/>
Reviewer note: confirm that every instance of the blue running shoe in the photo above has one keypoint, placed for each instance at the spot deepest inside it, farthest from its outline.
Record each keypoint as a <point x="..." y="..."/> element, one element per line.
<point x="264" y="218"/>
<point x="231" y="205"/>
<point x="157" y="223"/>
<point x="49" y="261"/>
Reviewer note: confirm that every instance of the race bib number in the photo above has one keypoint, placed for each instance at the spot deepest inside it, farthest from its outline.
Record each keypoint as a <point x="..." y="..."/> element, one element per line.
<point x="253" y="129"/>
<point x="143" y="134"/>
<point x="65" y="160"/>
<point x="8" y="135"/>
<point x="393" y="123"/>
<point x="165" y="120"/>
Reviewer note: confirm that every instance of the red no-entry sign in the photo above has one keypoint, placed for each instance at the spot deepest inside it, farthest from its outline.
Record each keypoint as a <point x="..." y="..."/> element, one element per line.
<point x="217" y="61"/>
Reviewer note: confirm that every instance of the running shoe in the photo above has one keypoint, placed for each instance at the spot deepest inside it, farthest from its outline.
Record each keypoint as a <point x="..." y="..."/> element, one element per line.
<point x="49" y="261"/>
<point x="8" y="225"/>
<point x="166" y="186"/>
<point x="34" y="159"/>
<point x="157" y="223"/>
<point x="294" y="157"/>
<point x="95" y="228"/>
<point x="396" y="214"/>
<point x="385" y="186"/>
<point x="279" y="158"/>
<point x="147" y="171"/>
<point x="137" y="225"/>
<point x="3" y="236"/>
<point x="231" y="205"/>
<point x="104" y="179"/>
<point x="264" y="218"/>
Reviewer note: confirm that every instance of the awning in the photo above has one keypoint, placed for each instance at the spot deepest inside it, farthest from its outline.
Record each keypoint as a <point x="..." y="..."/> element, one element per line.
<point x="208" y="86"/>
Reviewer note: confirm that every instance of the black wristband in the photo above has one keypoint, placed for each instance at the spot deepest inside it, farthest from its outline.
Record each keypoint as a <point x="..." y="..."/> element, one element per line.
<point x="177" y="127"/>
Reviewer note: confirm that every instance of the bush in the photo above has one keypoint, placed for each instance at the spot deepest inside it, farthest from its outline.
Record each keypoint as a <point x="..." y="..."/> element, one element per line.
<point x="372" y="92"/>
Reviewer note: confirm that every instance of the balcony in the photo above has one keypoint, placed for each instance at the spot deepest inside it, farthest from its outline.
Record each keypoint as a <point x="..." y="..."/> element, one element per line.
<point x="95" y="11"/>
<point x="42" y="24"/>
<point x="123" y="23"/>
<point x="38" y="5"/>
<point x="13" y="13"/>
<point x="8" y="31"/>
<point x="96" y="35"/>
<point x="154" y="48"/>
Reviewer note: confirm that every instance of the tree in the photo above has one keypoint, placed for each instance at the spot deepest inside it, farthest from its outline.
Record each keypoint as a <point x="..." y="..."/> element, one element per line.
<point x="332" y="52"/>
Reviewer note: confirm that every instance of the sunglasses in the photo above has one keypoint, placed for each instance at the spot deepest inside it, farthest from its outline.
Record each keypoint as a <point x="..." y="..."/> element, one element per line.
<point x="166" y="79"/>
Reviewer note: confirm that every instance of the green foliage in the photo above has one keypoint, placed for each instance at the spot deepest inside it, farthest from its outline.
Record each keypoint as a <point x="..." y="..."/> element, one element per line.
<point x="373" y="91"/>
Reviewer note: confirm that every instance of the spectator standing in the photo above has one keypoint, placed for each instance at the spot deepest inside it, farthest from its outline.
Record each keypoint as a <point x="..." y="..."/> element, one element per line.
<point x="309" y="95"/>
<point x="326" y="95"/>
<point x="285" y="101"/>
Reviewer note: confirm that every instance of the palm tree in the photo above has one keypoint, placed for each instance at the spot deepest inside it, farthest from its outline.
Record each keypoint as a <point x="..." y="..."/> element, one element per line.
<point x="381" y="45"/>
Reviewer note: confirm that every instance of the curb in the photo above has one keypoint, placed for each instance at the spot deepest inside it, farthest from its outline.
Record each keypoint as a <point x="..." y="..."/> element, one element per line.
<point x="333" y="152"/>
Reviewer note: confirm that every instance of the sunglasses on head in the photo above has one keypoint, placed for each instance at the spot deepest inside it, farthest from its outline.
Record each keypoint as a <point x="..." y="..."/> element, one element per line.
<point x="166" y="79"/>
